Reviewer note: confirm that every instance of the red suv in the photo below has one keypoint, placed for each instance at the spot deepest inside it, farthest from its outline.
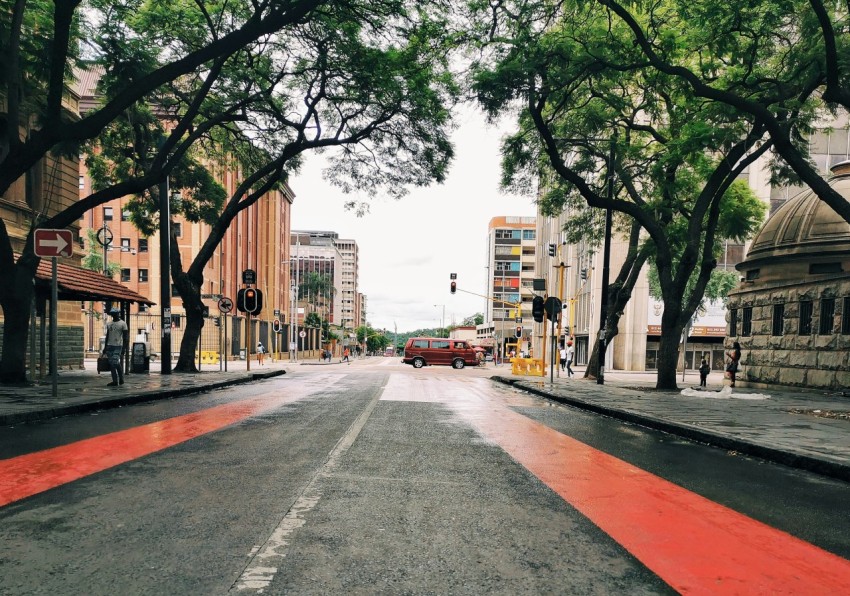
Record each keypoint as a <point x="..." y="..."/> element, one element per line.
<point x="422" y="351"/>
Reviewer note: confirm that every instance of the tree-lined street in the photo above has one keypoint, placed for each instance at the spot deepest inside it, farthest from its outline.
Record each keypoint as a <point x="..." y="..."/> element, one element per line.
<point x="382" y="478"/>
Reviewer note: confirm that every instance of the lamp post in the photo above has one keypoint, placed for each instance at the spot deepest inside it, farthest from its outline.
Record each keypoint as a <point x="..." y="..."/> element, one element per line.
<point x="442" y="319"/>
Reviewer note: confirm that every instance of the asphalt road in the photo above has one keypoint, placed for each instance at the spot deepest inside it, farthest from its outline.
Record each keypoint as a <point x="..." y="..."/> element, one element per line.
<point x="377" y="478"/>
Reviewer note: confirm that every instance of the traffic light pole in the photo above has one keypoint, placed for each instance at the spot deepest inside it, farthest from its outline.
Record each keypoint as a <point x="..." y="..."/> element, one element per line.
<point x="248" y="347"/>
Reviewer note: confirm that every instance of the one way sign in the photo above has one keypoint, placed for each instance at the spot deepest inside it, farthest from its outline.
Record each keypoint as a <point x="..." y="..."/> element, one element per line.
<point x="54" y="243"/>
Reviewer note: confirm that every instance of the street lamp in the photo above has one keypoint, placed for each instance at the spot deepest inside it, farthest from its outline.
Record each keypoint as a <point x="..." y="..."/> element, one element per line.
<point x="606" y="251"/>
<point x="442" y="319"/>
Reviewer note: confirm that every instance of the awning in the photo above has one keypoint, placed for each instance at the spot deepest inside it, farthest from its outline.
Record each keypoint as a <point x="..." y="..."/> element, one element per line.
<point x="76" y="283"/>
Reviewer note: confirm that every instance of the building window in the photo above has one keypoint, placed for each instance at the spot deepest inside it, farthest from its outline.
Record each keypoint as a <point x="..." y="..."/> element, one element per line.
<point x="107" y="214"/>
<point x="125" y="244"/>
<point x="143" y="308"/>
<point x="845" y="317"/>
<point x="778" y="319"/>
<point x="747" y="321"/>
<point x="143" y="245"/>
<point x="529" y="234"/>
<point x="174" y="291"/>
<point x="82" y="182"/>
<point x="805" y="327"/>
<point x="827" y="316"/>
<point x="125" y="215"/>
<point x="143" y="275"/>
<point x="178" y="229"/>
<point x="733" y="322"/>
<point x="125" y="275"/>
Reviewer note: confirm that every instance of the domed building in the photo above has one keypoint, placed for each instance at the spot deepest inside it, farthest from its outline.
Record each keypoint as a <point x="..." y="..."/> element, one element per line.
<point x="791" y="311"/>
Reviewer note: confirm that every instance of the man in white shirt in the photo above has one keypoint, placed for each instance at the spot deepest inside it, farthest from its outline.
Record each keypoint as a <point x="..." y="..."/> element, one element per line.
<point x="117" y="338"/>
<point x="570" y="353"/>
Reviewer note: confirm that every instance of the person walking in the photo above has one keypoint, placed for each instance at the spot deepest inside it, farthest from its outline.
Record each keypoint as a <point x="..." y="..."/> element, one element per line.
<point x="734" y="361"/>
<point x="704" y="369"/>
<point x="563" y="356"/>
<point x="346" y="354"/>
<point x="117" y="338"/>
<point x="570" y="353"/>
<point x="261" y="350"/>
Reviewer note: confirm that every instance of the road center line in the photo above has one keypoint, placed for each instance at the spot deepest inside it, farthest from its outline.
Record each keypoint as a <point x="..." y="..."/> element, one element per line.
<point x="266" y="559"/>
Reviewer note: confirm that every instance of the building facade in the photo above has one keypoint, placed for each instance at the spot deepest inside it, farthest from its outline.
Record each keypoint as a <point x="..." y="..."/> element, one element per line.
<point x="315" y="253"/>
<point x="511" y="251"/>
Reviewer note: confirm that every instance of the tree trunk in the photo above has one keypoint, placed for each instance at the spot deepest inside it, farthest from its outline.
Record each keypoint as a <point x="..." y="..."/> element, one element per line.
<point x="668" y="358"/>
<point x="16" y="301"/>
<point x="190" y="294"/>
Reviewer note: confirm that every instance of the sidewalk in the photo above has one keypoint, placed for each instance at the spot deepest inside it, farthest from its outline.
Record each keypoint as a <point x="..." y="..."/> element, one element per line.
<point x="807" y="429"/>
<point x="802" y="428"/>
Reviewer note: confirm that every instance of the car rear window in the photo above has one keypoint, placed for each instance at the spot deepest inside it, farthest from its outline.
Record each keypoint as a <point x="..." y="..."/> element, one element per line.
<point x="420" y="343"/>
<point x="444" y="345"/>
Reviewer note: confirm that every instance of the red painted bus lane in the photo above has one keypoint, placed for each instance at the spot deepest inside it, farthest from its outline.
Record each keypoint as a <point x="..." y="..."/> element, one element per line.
<point x="695" y="545"/>
<point x="30" y="474"/>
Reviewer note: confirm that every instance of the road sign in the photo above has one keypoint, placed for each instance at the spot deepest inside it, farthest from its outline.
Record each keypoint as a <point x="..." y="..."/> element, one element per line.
<point x="54" y="243"/>
<point x="225" y="305"/>
<point x="249" y="276"/>
<point x="302" y="334"/>
<point x="277" y="312"/>
<point x="553" y="308"/>
<point x="452" y="275"/>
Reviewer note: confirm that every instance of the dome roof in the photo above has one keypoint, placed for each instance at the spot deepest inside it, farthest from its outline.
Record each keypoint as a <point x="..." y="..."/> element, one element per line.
<point x="805" y="227"/>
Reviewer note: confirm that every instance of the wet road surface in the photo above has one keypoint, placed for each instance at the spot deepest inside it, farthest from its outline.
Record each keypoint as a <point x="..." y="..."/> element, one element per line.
<point x="385" y="479"/>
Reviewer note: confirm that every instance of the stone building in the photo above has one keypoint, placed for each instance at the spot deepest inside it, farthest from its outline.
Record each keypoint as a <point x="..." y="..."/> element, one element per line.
<point x="791" y="311"/>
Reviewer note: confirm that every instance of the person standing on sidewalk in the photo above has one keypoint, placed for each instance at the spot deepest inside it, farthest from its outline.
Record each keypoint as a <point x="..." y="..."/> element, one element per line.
<point x="346" y="355"/>
<point x="261" y="351"/>
<point x="704" y="369"/>
<point x="570" y="353"/>
<point x="734" y="359"/>
<point x="117" y="338"/>
<point x="563" y="356"/>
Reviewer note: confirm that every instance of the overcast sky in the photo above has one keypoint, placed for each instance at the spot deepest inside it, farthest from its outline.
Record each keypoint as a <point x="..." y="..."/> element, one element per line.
<point x="409" y="247"/>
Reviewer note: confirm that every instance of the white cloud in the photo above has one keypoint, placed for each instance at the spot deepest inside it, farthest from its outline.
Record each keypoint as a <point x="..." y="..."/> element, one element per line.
<point x="409" y="247"/>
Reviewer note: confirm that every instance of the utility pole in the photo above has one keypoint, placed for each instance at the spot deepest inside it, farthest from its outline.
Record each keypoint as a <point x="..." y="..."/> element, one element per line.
<point x="165" y="276"/>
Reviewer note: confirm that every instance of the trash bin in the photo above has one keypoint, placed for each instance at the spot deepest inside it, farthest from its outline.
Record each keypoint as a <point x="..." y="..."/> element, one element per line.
<point x="140" y="362"/>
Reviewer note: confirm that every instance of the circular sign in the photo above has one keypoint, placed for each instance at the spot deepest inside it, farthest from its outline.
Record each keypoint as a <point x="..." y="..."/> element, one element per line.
<point x="302" y="334"/>
<point x="225" y="305"/>
<point x="104" y="236"/>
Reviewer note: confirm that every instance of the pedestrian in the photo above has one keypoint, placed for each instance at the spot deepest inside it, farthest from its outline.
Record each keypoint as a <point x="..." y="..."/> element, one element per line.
<point x="570" y="353"/>
<point x="704" y="369"/>
<point x="261" y="350"/>
<point x="117" y="338"/>
<point x="734" y="361"/>
<point x="346" y="356"/>
<point x="563" y="356"/>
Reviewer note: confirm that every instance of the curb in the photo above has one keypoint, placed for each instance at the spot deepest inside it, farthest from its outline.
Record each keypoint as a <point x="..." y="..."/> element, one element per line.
<point x="117" y="402"/>
<point x="771" y="454"/>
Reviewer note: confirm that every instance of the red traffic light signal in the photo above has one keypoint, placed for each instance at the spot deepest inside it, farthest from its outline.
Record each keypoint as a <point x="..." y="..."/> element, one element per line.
<point x="519" y="331"/>
<point x="249" y="300"/>
<point x="537" y="311"/>
<point x="454" y="287"/>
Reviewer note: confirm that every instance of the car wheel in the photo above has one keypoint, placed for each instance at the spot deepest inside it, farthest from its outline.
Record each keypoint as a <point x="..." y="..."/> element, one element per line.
<point x="418" y="363"/>
<point x="458" y="363"/>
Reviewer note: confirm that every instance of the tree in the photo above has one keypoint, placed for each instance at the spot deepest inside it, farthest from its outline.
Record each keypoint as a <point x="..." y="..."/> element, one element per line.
<point x="589" y="106"/>
<point x="781" y="65"/>
<point x="39" y="51"/>
<point x="473" y="320"/>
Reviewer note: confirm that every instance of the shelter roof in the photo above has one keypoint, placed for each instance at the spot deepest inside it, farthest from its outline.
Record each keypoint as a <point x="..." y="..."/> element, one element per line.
<point x="76" y="283"/>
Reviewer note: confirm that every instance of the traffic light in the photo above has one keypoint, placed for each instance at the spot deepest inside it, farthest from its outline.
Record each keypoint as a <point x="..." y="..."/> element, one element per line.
<point x="519" y="331"/>
<point x="584" y="273"/>
<point x="276" y="326"/>
<point x="537" y="312"/>
<point x="249" y="300"/>
<point x="551" y="250"/>
<point x="454" y="287"/>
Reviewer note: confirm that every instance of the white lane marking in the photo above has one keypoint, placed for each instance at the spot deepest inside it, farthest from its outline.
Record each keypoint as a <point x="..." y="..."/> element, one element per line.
<point x="265" y="560"/>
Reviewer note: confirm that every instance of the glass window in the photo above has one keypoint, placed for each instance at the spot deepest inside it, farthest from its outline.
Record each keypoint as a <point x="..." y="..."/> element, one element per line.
<point x="461" y="345"/>
<point x="178" y="229"/>
<point x="82" y="181"/>
<point x="845" y="317"/>
<point x="107" y="214"/>
<point x="827" y="316"/>
<point x="125" y="275"/>
<point x="420" y="343"/>
<point x="733" y="322"/>
<point x="125" y="215"/>
<point x="747" y="321"/>
<point x="125" y="243"/>
<point x="529" y="234"/>
<point x="805" y="326"/>
<point x="143" y="245"/>
<point x="440" y="344"/>
<point x="778" y="319"/>
<point x="143" y="275"/>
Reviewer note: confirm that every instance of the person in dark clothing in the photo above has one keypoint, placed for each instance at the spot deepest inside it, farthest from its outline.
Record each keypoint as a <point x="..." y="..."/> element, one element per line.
<point x="734" y="360"/>
<point x="704" y="369"/>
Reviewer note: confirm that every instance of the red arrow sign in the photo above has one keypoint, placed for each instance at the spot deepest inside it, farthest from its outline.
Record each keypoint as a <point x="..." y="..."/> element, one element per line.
<point x="54" y="243"/>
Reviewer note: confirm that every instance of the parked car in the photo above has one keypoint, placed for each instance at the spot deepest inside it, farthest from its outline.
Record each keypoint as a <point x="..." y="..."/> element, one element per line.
<point x="428" y="351"/>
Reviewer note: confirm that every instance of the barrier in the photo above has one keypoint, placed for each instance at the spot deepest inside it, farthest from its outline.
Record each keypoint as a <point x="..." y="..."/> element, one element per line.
<point x="209" y="357"/>
<point x="528" y="367"/>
